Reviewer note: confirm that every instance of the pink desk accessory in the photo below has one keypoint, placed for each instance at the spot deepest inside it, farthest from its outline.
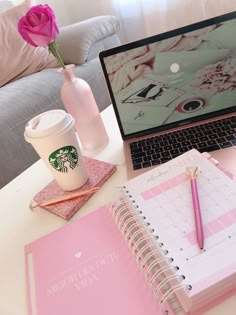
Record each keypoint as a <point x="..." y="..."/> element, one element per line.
<point x="71" y="196"/>
<point x="196" y="206"/>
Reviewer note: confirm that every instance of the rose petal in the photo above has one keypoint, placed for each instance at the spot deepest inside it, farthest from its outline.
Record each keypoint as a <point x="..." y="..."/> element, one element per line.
<point x="44" y="18"/>
<point x="23" y="30"/>
<point x="40" y="40"/>
<point x="33" y="19"/>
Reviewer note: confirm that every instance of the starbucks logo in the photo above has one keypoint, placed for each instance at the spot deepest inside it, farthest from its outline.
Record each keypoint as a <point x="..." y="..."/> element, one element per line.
<point x="64" y="158"/>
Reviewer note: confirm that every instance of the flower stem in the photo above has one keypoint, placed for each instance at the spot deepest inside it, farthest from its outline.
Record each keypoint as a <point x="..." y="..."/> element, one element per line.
<point x="54" y="50"/>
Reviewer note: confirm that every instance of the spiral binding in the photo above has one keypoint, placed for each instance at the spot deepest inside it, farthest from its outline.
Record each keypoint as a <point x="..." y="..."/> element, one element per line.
<point x="150" y="255"/>
<point x="131" y="239"/>
<point x="160" y="271"/>
<point x="145" y="248"/>
<point x="126" y="225"/>
<point x="121" y="220"/>
<point x="141" y="240"/>
<point x="165" y="281"/>
<point x="155" y="263"/>
<point x="172" y="291"/>
<point x="132" y="228"/>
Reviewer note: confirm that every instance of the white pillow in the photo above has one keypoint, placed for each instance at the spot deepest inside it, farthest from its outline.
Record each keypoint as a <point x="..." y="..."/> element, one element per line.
<point x="18" y="58"/>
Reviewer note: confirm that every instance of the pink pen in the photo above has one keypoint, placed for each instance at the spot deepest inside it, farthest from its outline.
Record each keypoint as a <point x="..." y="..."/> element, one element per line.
<point x="196" y="207"/>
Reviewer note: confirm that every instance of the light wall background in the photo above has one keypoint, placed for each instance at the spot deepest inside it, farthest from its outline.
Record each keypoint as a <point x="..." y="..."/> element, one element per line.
<point x="140" y="18"/>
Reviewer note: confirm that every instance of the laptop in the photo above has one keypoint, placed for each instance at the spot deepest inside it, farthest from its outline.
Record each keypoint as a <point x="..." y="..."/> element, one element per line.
<point x="176" y="91"/>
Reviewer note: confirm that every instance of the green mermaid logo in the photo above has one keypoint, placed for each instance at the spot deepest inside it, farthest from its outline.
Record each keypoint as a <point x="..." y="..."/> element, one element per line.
<point x="64" y="158"/>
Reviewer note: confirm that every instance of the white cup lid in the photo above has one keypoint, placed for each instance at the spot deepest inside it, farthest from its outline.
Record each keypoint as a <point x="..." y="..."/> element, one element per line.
<point x="47" y="123"/>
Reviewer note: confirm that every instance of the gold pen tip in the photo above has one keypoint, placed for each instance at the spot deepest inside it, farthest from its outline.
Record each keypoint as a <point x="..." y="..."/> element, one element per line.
<point x="192" y="171"/>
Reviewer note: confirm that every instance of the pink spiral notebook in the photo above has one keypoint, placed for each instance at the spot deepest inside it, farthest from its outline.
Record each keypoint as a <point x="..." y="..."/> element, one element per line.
<point x="123" y="258"/>
<point x="86" y="268"/>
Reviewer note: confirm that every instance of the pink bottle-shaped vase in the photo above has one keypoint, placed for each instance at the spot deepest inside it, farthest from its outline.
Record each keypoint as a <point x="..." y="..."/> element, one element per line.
<point x="79" y="101"/>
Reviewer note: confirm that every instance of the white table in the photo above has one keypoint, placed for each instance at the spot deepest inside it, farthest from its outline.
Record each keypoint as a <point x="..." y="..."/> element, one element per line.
<point x="19" y="226"/>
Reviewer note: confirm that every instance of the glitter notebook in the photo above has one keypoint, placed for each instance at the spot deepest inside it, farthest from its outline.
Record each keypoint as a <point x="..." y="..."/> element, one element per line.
<point x="98" y="172"/>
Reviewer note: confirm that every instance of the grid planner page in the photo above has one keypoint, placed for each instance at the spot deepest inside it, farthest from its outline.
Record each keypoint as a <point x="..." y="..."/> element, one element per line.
<point x="164" y="196"/>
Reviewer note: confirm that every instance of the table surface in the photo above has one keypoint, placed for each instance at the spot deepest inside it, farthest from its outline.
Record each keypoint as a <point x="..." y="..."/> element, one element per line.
<point x="20" y="226"/>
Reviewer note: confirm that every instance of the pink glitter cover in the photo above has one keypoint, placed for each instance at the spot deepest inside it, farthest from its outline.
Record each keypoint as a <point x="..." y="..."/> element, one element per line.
<point x="98" y="172"/>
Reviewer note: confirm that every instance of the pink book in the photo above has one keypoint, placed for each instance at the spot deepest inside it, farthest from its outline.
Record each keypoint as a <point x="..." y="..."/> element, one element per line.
<point x="86" y="268"/>
<point x="98" y="171"/>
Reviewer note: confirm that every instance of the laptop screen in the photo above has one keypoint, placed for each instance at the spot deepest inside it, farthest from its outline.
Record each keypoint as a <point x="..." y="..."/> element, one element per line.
<point x="174" y="78"/>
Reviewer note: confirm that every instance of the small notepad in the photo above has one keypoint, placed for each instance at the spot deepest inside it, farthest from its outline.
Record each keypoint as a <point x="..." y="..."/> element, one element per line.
<point x="98" y="171"/>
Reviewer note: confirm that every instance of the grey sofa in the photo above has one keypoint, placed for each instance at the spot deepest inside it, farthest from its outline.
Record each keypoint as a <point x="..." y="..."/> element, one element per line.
<point x="26" y="97"/>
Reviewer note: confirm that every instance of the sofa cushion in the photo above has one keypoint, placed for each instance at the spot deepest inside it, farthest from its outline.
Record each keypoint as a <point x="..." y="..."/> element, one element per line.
<point x="76" y="40"/>
<point x="18" y="58"/>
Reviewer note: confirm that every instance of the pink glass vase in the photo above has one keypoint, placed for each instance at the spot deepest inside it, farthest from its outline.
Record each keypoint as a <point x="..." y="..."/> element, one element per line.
<point x="79" y="101"/>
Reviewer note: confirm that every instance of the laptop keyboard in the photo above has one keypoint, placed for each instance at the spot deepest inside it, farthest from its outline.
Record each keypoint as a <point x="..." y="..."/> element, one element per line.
<point x="205" y="138"/>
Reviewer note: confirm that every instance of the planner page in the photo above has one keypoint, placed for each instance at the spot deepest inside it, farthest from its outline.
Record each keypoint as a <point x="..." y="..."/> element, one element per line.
<point x="164" y="196"/>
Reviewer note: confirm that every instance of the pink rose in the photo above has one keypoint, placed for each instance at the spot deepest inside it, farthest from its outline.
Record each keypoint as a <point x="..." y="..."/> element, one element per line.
<point x="39" y="26"/>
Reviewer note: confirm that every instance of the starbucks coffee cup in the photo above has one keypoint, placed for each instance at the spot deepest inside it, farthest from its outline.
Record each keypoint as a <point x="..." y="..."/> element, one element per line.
<point x="53" y="137"/>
